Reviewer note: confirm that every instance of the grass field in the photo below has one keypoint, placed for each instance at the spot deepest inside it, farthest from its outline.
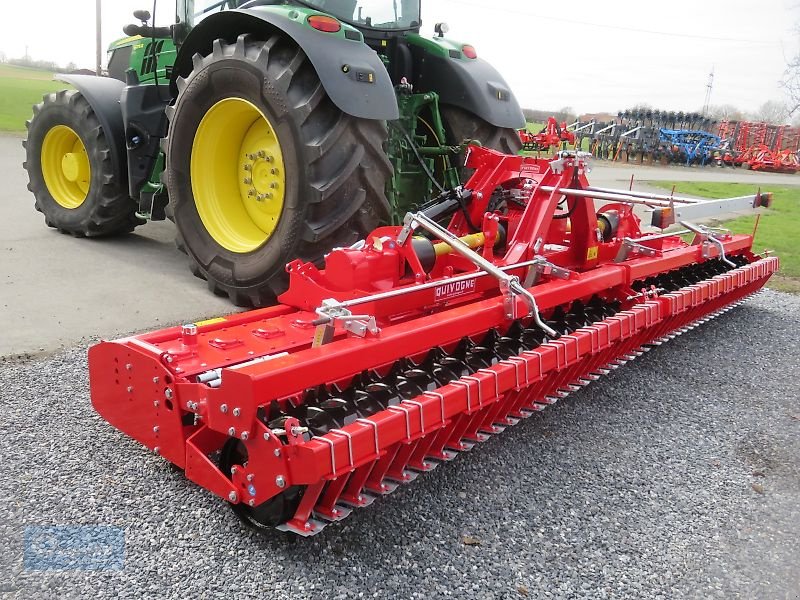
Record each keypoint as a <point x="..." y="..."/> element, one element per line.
<point x="778" y="228"/>
<point x="20" y="89"/>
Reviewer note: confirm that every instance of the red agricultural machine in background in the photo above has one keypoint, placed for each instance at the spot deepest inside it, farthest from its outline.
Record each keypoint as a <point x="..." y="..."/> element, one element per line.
<point x="760" y="146"/>
<point x="552" y="135"/>
<point x="418" y="342"/>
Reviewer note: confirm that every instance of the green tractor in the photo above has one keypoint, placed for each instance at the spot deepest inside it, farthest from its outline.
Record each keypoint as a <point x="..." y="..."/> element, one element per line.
<point x="266" y="130"/>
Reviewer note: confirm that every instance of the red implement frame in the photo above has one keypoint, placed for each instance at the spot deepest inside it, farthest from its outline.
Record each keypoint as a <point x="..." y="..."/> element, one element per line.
<point x="184" y="392"/>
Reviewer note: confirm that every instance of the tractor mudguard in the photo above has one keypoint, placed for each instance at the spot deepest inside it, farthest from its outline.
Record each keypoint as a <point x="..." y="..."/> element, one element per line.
<point x="103" y="95"/>
<point x="473" y="85"/>
<point x="353" y="76"/>
<point x="145" y="125"/>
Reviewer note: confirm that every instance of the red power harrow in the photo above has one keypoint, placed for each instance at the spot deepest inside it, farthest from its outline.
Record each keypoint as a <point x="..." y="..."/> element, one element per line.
<point x="761" y="147"/>
<point x="552" y="135"/>
<point x="413" y="345"/>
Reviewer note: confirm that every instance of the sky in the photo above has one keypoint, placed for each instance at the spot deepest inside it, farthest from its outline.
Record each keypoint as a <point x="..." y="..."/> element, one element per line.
<point x="591" y="55"/>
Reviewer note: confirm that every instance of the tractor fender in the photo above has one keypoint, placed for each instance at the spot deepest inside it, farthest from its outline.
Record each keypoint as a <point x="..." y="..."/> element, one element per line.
<point x="474" y="85"/>
<point x="103" y="95"/>
<point x="351" y="72"/>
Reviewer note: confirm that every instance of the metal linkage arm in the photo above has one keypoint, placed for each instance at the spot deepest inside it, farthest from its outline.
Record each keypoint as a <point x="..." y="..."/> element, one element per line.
<point x="669" y="210"/>
<point x="664" y="217"/>
<point x="509" y="284"/>
<point x="707" y="236"/>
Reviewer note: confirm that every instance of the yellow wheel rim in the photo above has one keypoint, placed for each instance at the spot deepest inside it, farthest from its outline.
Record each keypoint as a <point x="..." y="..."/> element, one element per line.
<point x="237" y="175"/>
<point x="65" y="167"/>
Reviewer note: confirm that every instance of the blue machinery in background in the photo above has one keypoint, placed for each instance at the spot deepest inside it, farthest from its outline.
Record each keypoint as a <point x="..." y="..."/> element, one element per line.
<point x="692" y="146"/>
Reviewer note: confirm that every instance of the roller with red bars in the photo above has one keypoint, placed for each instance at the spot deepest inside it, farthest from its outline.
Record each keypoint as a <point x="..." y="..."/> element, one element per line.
<point x="423" y="340"/>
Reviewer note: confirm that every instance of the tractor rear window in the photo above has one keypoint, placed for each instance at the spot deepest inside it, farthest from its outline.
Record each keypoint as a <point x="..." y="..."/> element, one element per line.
<point x="374" y="14"/>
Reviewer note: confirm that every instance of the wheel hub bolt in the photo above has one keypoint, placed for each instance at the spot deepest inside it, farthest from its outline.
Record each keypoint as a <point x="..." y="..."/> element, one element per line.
<point x="280" y="481"/>
<point x="232" y="497"/>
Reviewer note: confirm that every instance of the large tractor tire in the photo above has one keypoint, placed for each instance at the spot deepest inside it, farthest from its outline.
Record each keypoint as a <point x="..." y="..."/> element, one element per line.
<point x="70" y="172"/>
<point x="462" y="125"/>
<point x="263" y="168"/>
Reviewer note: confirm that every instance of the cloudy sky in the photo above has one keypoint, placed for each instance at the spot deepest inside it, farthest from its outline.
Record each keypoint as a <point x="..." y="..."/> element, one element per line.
<point x="592" y="55"/>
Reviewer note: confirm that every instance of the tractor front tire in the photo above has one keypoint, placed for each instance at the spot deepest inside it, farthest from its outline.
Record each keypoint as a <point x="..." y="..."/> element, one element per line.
<point x="263" y="168"/>
<point x="70" y="172"/>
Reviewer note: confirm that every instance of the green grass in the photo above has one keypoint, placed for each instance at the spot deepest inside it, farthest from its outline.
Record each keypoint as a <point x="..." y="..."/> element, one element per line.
<point x="534" y="127"/>
<point x="20" y="89"/>
<point x="778" y="228"/>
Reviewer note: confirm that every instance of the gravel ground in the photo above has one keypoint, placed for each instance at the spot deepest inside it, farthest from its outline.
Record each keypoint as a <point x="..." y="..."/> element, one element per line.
<point x="677" y="476"/>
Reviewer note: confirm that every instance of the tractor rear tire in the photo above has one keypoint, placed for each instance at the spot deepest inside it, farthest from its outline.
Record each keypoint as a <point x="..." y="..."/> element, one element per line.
<point x="70" y="172"/>
<point x="263" y="168"/>
<point x="462" y="125"/>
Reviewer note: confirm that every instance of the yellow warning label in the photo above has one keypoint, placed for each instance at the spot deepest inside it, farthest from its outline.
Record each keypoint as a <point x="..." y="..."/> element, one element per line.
<point x="210" y="321"/>
<point x="591" y="253"/>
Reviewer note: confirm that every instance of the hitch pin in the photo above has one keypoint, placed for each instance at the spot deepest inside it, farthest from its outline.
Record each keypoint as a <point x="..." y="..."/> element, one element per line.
<point x="647" y="293"/>
<point x="296" y="430"/>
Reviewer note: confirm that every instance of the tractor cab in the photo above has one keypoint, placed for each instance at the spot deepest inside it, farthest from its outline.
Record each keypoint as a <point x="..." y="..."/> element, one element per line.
<point x="381" y="15"/>
<point x="378" y="15"/>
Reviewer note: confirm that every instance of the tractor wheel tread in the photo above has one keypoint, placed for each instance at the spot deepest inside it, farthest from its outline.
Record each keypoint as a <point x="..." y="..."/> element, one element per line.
<point x="461" y="125"/>
<point x="107" y="209"/>
<point x="341" y="190"/>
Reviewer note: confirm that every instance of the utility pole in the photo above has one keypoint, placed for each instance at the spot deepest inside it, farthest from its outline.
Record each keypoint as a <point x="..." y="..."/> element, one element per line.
<point x="709" y="87"/>
<point x="98" y="31"/>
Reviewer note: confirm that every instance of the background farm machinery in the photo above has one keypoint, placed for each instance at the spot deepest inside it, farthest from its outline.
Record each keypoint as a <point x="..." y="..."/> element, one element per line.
<point x="662" y="137"/>
<point x="760" y="146"/>
<point x="552" y="135"/>
<point x="650" y="137"/>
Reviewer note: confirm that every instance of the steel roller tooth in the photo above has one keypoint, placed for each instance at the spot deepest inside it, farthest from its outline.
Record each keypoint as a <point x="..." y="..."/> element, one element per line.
<point x="318" y="420"/>
<point x="450" y="368"/>
<point x="382" y="394"/>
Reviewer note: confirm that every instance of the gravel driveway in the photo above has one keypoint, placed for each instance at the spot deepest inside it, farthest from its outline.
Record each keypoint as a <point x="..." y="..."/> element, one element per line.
<point x="677" y="476"/>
